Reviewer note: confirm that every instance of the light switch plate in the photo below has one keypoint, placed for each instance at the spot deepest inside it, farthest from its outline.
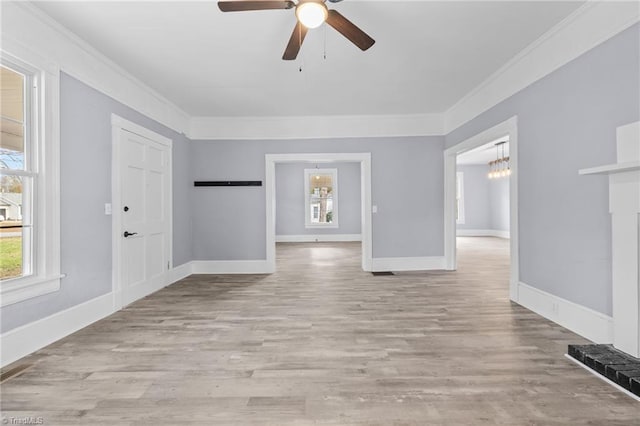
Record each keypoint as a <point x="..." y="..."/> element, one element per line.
<point x="107" y="208"/>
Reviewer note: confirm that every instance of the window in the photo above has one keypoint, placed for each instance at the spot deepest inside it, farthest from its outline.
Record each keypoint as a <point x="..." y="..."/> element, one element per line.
<point x="16" y="182"/>
<point x="460" y="197"/>
<point x="321" y="198"/>
<point x="29" y="241"/>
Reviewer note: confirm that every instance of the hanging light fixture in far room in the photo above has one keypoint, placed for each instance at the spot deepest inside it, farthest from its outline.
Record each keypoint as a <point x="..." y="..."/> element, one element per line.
<point x="501" y="166"/>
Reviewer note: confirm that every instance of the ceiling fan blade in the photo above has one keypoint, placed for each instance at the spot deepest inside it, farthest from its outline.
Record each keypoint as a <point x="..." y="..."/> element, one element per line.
<point x="295" y="42"/>
<point x="243" y="5"/>
<point x="349" y="30"/>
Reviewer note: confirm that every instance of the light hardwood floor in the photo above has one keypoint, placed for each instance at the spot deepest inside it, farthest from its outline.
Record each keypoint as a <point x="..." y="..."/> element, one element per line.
<point x="322" y="343"/>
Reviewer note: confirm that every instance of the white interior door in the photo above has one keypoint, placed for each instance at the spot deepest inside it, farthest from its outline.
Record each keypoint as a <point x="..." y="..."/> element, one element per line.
<point x="144" y="212"/>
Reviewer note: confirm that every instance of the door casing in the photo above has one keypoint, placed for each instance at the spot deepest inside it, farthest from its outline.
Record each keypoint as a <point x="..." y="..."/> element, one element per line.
<point x="118" y="126"/>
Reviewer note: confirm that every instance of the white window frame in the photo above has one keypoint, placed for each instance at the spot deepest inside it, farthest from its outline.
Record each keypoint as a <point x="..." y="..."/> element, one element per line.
<point x="307" y="198"/>
<point x="460" y="197"/>
<point x="44" y="123"/>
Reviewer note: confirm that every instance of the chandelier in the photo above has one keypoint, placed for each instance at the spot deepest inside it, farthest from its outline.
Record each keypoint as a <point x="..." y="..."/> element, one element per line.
<point x="501" y="166"/>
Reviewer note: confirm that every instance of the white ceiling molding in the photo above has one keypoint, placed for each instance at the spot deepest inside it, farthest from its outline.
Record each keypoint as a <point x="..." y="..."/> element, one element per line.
<point x="589" y="26"/>
<point x="315" y="127"/>
<point x="581" y="31"/>
<point x="48" y="39"/>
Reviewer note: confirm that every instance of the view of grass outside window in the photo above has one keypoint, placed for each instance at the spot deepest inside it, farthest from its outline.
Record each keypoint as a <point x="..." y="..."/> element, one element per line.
<point x="16" y="178"/>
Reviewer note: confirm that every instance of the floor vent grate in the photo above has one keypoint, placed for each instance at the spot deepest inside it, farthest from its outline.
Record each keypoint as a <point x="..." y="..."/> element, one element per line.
<point x="382" y="273"/>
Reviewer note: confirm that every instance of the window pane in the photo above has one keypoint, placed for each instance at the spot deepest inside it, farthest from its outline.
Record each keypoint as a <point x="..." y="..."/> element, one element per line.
<point x="15" y="226"/>
<point x="12" y="124"/>
<point x="321" y="198"/>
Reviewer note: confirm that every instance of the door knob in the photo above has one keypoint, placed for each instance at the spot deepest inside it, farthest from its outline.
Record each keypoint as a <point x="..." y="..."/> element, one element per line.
<point x="128" y="234"/>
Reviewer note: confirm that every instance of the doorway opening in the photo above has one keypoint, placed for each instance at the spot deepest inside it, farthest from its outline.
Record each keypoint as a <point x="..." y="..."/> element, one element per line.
<point x="309" y="161"/>
<point x="481" y="197"/>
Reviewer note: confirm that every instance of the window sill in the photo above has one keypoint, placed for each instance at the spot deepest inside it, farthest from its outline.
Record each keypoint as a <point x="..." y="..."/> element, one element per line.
<point x="329" y="226"/>
<point x="20" y="289"/>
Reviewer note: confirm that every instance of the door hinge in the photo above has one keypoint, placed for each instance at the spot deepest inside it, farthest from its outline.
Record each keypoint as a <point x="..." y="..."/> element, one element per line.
<point x="168" y="267"/>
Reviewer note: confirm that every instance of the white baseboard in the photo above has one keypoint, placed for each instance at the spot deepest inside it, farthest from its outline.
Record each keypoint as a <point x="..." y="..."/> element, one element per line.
<point x="317" y="238"/>
<point x="28" y="338"/>
<point x="482" y="233"/>
<point x="398" y="264"/>
<point x="586" y="322"/>
<point x="179" y="272"/>
<point x="230" y="267"/>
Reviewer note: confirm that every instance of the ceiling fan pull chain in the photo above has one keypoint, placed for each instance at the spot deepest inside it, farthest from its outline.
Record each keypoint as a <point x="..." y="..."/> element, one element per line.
<point x="324" y="53"/>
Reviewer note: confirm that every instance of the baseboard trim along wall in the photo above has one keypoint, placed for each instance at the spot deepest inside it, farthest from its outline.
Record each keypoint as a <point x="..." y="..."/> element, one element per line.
<point x="586" y="322"/>
<point x="318" y="238"/>
<point x="24" y="340"/>
<point x="28" y="338"/>
<point x="381" y="264"/>
<point x="482" y="233"/>
<point x="230" y="267"/>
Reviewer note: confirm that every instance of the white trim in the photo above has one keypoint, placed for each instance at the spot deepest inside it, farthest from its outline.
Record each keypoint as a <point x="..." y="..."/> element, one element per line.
<point x="316" y="127"/>
<point x="230" y="267"/>
<point x="460" y="197"/>
<point x="48" y="39"/>
<point x="317" y="238"/>
<point x="130" y="126"/>
<point x="508" y="128"/>
<point x="365" y="192"/>
<point x="586" y="322"/>
<point x="179" y="272"/>
<point x="482" y="233"/>
<point x="118" y="126"/>
<point x="45" y="131"/>
<point x="601" y="377"/>
<point x="24" y="340"/>
<point x="398" y="264"/>
<point x="611" y="169"/>
<point x="590" y="25"/>
<point x="19" y="289"/>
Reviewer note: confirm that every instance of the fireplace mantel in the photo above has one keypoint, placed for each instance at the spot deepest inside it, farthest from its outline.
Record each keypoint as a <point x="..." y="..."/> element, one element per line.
<point x="624" y="206"/>
<point x="609" y="169"/>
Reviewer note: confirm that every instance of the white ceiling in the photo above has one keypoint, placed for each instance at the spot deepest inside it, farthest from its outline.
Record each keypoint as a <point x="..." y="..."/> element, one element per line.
<point x="427" y="55"/>
<point x="483" y="154"/>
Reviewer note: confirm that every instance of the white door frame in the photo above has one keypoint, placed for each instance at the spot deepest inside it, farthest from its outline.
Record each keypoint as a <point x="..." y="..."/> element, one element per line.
<point x="506" y="128"/>
<point x="363" y="158"/>
<point x="118" y="125"/>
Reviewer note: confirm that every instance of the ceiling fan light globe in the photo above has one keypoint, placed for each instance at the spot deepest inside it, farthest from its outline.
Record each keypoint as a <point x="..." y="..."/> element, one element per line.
<point x="311" y="14"/>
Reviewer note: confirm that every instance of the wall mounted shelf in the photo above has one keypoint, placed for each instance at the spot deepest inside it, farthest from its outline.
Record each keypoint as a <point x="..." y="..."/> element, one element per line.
<point x="228" y="183"/>
<point x="611" y="168"/>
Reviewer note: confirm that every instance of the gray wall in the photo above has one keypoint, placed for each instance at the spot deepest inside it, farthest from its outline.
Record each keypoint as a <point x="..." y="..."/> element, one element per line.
<point x="407" y="186"/>
<point x="477" y="198"/>
<point x="499" y="204"/>
<point x="567" y="121"/>
<point x="290" y="199"/>
<point x="486" y="201"/>
<point x="85" y="186"/>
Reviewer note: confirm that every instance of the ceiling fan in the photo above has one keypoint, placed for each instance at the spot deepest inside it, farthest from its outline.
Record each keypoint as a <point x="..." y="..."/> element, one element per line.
<point x="310" y="14"/>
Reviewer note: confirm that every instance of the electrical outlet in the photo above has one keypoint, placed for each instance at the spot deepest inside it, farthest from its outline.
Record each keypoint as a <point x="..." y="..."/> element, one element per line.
<point x="107" y="208"/>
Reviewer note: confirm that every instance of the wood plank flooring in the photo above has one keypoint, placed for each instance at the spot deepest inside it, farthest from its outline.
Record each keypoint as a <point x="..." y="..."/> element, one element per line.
<point x="321" y="343"/>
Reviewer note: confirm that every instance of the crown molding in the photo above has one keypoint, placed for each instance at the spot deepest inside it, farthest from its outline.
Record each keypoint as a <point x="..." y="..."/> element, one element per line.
<point x="63" y="49"/>
<point x="590" y="25"/>
<point x="316" y="127"/>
